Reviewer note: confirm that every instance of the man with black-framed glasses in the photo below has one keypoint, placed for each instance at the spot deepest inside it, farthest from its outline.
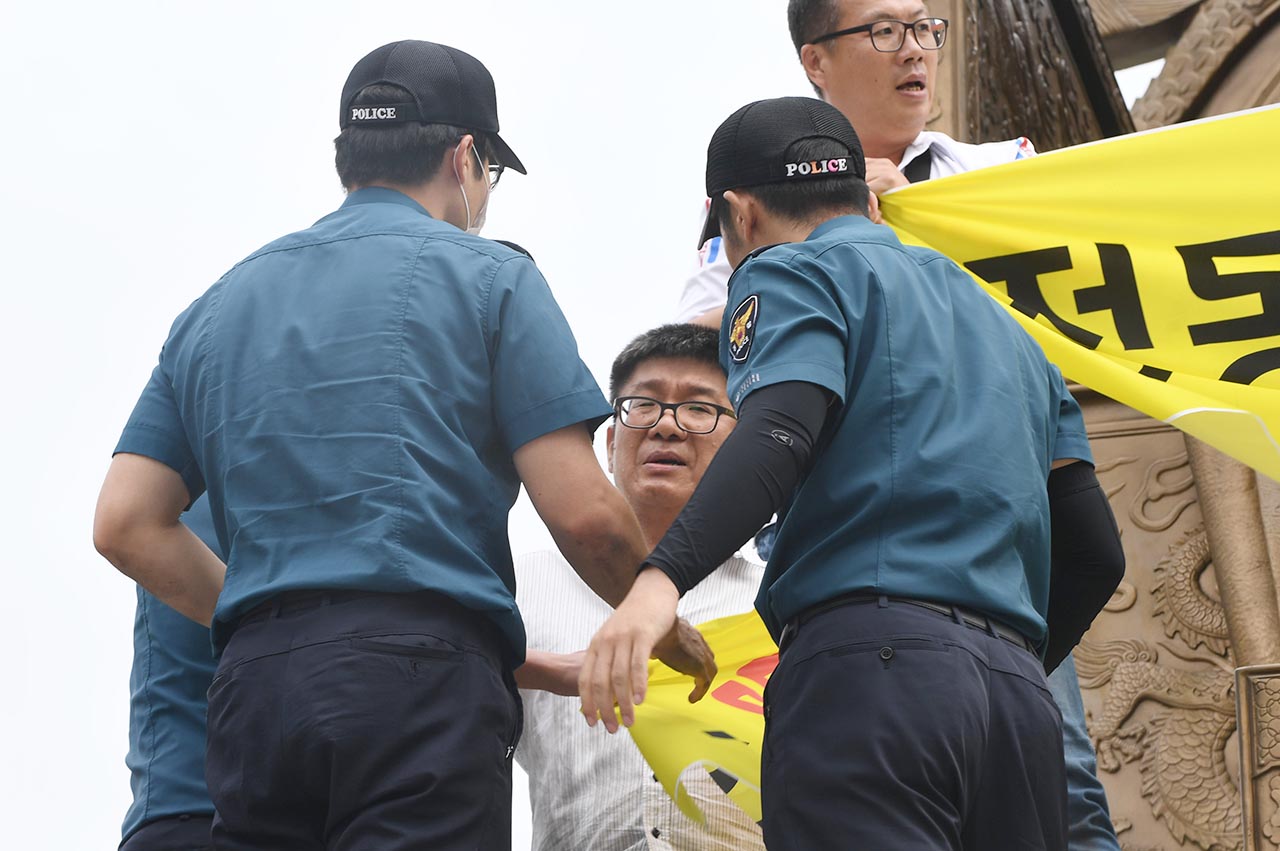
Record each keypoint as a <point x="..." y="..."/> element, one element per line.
<point x="671" y="414"/>
<point x="888" y="36"/>
<point x="877" y="62"/>
<point x="644" y="412"/>
<point x="859" y="58"/>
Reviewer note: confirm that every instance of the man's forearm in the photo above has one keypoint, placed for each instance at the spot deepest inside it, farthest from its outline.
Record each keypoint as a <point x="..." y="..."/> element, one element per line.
<point x="1087" y="558"/>
<point x="593" y="526"/>
<point x="605" y="545"/>
<point x="136" y="528"/>
<point x="174" y="565"/>
<point x="553" y="672"/>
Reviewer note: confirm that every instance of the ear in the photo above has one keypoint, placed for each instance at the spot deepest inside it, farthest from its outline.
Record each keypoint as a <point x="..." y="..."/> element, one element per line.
<point x="608" y="447"/>
<point x="744" y="212"/>
<point x="814" y="61"/>
<point x="463" y="161"/>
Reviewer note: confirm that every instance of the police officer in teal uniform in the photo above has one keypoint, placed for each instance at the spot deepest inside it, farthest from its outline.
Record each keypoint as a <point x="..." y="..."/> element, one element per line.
<point x="362" y="400"/>
<point x="173" y="665"/>
<point x="921" y="449"/>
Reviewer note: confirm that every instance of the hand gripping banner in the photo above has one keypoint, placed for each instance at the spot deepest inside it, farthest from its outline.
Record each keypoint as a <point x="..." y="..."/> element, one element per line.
<point x="1146" y="266"/>
<point x="723" y="732"/>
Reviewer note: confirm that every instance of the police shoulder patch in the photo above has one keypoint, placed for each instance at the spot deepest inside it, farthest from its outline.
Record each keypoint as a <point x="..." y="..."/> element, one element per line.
<point x="742" y="328"/>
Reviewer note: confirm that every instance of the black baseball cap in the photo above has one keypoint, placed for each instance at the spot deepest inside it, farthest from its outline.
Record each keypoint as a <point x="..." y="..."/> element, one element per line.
<point x="754" y="146"/>
<point x="447" y="87"/>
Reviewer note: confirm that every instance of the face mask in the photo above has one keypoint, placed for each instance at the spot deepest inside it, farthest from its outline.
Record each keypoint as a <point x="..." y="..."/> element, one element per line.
<point x="473" y="226"/>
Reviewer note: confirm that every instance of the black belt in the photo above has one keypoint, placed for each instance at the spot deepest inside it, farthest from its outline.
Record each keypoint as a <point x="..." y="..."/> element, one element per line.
<point x="468" y="627"/>
<point x="290" y="602"/>
<point x="959" y="614"/>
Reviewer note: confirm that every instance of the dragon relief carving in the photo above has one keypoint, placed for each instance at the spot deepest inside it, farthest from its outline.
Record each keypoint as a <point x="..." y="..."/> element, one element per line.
<point x="1181" y="746"/>
<point x="1160" y="483"/>
<point x="1181" y="603"/>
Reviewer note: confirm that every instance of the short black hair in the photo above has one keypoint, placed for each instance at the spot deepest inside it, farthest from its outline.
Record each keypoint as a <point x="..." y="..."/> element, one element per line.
<point x="803" y="200"/>
<point x="678" y="340"/>
<point x="405" y="154"/>
<point x="808" y="19"/>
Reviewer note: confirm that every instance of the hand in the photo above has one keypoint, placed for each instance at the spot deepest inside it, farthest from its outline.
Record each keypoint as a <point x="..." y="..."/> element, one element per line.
<point x="616" y="668"/>
<point x="883" y="175"/>
<point x="711" y="319"/>
<point x="685" y="650"/>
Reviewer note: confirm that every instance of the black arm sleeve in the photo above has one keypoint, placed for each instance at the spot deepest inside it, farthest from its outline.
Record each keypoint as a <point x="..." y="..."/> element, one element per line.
<point x="751" y="477"/>
<point x="1087" y="562"/>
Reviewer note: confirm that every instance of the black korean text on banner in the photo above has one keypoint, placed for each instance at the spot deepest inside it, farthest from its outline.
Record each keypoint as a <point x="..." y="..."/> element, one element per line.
<point x="1021" y="274"/>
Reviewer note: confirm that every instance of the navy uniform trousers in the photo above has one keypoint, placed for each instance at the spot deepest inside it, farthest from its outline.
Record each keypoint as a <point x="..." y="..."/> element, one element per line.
<point x="362" y="722"/>
<point x="891" y="727"/>
<point x="175" y="833"/>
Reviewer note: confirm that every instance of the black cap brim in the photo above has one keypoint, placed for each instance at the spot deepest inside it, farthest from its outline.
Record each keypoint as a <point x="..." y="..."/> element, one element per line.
<point x="505" y="155"/>
<point x="711" y="227"/>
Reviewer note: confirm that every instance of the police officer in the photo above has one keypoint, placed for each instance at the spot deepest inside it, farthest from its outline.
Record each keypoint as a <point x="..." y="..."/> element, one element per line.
<point x="362" y="400"/>
<point x="929" y="446"/>
<point x="877" y="62"/>
<point x="173" y="665"/>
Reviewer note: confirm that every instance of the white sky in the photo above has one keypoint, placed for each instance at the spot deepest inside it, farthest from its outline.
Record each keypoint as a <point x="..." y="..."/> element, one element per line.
<point x="1135" y="79"/>
<point x="150" y="145"/>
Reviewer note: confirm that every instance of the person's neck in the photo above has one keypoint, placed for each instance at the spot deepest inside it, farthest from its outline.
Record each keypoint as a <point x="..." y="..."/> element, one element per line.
<point x="433" y="195"/>
<point x="895" y="156"/>
<point x="892" y="150"/>
<point x="779" y="231"/>
<point x="655" y="519"/>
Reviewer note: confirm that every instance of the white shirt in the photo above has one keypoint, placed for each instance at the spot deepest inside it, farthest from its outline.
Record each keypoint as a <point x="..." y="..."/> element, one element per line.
<point x="592" y="791"/>
<point x="708" y="287"/>
<point x="952" y="157"/>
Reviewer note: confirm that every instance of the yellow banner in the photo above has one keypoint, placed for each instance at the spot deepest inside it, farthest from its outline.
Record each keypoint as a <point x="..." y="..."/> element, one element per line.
<point x="723" y="732"/>
<point x="1146" y="266"/>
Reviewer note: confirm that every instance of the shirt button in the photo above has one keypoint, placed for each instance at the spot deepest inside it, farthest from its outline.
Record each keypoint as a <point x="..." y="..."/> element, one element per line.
<point x="656" y="833"/>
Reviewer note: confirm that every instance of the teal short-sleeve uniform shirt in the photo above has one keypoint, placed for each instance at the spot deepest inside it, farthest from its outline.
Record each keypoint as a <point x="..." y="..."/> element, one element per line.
<point x="351" y="396"/>
<point x="929" y="480"/>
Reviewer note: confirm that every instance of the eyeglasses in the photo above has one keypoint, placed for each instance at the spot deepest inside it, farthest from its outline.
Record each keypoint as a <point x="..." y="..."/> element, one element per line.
<point x="495" y="170"/>
<point x="889" y="36"/>
<point x="693" y="417"/>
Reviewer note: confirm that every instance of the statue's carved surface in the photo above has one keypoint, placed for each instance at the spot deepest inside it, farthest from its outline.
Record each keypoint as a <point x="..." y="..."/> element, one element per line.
<point x="1258" y="690"/>
<point x="1032" y="47"/>
<point x="1220" y="55"/>
<point x="1182" y="603"/>
<point x="1158" y="668"/>
<point x="1181" y="745"/>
